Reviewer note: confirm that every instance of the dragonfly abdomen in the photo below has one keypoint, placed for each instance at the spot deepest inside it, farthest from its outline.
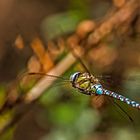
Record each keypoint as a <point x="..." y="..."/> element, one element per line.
<point x="122" y="98"/>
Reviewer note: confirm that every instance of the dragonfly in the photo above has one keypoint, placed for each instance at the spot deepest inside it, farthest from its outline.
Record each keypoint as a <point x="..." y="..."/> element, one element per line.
<point x="88" y="84"/>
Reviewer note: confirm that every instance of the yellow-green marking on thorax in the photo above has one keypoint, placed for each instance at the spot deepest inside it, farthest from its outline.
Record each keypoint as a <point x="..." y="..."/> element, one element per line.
<point x="83" y="82"/>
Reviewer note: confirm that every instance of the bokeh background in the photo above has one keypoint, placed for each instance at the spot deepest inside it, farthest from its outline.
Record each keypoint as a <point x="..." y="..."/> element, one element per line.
<point x="39" y="36"/>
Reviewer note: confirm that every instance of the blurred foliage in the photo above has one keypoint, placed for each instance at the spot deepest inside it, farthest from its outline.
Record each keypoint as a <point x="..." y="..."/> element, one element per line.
<point x="2" y="95"/>
<point x="66" y="22"/>
<point x="8" y="136"/>
<point x="59" y="24"/>
<point x="62" y="113"/>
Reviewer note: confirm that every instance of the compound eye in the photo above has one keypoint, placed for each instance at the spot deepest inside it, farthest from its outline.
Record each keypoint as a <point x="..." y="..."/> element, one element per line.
<point x="74" y="76"/>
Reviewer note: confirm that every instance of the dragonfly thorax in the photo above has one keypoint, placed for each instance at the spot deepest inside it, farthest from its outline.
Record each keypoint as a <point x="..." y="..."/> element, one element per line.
<point x="86" y="83"/>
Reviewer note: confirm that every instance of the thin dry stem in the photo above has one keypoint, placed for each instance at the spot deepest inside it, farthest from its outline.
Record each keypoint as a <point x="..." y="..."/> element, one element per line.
<point x="43" y="84"/>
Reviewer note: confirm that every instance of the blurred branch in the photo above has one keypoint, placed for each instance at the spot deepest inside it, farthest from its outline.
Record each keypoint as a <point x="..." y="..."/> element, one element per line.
<point x="43" y="84"/>
<point x="124" y="15"/>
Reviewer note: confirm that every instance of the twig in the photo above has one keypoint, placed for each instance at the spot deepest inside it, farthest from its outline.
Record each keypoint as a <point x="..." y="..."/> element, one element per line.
<point x="43" y="84"/>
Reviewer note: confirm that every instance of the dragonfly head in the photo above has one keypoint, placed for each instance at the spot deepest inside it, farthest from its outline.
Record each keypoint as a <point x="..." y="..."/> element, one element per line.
<point x="74" y="77"/>
<point x="84" y="82"/>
